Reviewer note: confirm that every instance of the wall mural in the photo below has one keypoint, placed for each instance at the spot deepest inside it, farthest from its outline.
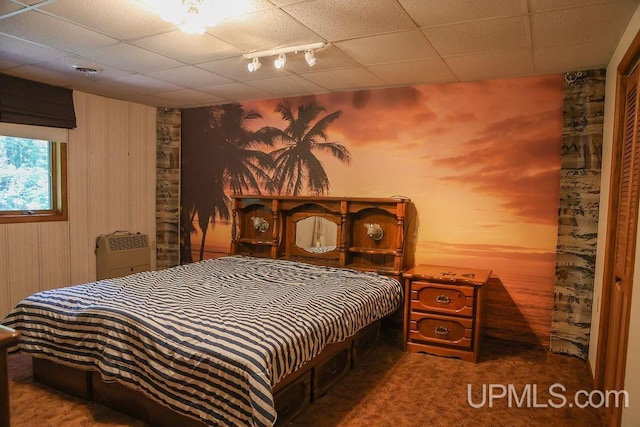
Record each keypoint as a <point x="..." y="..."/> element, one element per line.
<point x="480" y="161"/>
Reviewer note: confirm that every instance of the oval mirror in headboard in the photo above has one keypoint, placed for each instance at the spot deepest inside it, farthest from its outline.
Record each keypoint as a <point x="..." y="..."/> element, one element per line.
<point x="316" y="235"/>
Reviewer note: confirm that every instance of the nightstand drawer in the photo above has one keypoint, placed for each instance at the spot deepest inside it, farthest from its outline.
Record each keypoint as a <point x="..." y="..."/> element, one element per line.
<point x="452" y="331"/>
<point x="441" y="298"/>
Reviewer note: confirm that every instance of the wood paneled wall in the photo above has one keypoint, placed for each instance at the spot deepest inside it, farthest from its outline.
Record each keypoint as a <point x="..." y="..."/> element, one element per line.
<point x="112" y="183"/>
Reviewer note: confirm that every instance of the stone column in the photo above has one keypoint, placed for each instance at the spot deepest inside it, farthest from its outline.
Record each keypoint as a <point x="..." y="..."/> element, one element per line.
<point x="168" y="187"/>
<point x="581" y="162"/>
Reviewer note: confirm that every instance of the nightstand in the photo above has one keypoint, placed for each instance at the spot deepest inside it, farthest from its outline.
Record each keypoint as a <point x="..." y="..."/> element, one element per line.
<point x="444" y="310"/>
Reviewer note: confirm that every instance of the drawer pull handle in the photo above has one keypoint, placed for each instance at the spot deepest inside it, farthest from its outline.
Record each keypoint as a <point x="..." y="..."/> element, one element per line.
<point x="441" y="330"/>
<point x="443" y="299"/>
<point x="332" y="370"/>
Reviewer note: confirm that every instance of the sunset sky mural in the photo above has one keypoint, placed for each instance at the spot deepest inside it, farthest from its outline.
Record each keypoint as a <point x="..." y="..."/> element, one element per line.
<point x="480" y="161"/>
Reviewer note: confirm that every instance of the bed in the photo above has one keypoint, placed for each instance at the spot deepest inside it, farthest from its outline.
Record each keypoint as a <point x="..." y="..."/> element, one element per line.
<point x="247" y="339"/>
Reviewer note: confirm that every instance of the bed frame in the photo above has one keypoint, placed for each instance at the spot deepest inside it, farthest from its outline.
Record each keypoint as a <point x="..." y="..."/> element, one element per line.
<point x="368" y="234"/>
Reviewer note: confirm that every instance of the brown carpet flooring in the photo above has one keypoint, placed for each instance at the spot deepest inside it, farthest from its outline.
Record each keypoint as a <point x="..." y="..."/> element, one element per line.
<point x="388" y="388"/>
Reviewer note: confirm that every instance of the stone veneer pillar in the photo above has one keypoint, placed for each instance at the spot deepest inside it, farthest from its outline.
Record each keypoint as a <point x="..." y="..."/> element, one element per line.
<point x="581" y="162"/>
<point x="168" y="187"/>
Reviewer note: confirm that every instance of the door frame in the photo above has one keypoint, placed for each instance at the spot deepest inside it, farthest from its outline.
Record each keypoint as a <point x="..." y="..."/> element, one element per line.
<point x="625" y="67"/>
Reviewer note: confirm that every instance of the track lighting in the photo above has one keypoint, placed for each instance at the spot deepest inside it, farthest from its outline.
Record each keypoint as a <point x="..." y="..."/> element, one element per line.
<point x="254" y="65"/>
<point x="281" y="60"/>
<point x="310" y="57"/>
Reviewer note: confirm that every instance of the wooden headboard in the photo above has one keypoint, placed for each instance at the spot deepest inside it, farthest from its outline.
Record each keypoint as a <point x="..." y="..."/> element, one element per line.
<point x="369" y="234"/>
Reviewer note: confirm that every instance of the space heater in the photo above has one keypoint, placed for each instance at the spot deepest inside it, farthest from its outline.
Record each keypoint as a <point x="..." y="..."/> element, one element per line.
<point x="121" y="253"/>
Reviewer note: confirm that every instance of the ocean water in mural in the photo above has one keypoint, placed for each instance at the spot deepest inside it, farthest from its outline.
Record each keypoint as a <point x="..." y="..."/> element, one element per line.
<point x="480" y="161"/>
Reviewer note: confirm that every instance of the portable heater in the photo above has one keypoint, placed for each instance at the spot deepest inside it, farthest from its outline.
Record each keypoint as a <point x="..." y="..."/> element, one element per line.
<point x="121" y="253"/>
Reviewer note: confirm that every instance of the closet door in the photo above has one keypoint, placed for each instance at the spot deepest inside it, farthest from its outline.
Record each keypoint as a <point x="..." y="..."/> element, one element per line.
<point x="627" y="157"/>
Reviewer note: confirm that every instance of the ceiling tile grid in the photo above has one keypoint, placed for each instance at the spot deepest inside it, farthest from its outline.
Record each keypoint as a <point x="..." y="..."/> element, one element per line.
<point x="369" y="44"/>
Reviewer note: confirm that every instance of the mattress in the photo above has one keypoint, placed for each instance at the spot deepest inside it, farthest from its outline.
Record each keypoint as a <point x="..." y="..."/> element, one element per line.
<point x="208" y="339"/>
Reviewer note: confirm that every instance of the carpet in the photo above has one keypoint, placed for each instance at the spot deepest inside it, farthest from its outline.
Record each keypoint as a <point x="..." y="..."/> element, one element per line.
<point x="513" y="385"/>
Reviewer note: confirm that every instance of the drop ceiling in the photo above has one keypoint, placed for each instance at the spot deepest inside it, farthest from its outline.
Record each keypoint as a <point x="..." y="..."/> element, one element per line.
<point x="370" y="44"/>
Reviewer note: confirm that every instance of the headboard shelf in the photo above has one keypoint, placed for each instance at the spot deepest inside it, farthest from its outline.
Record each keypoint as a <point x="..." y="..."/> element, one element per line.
<point x="362" y="233"/>
<point x="373" y="251"/>
<point x="257" y="241"/>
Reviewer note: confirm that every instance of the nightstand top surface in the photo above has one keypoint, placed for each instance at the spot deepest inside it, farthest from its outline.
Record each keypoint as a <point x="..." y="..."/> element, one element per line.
<point x="449" y="274"/>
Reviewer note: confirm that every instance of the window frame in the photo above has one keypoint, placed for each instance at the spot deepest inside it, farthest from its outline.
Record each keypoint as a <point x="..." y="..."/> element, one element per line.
<point x="59" y="210"/>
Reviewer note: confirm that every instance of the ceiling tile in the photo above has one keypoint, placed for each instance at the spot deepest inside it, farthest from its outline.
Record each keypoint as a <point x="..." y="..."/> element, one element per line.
<point x="348" y="78"/>
<point x="427" y="13"/>
<point x="122" y="20"/>
<point x="285" y="86"/>
<point x="546" y="5"/>
<point x="137" y="51"/>
<point x="65" y="65"/>
<point x="187" y="98"/>
<point x="39" y="28"/>
<point x="263" y="30"/>
<point x="30" y="2"/>
<point x="115" y="92"/>
<point x="339" y="19"/>
<point x="188" y="48"/>
<point x="393" y="47"/>
<point x="188" y="75"/>
<point x="578" y="25"/>
<point x="8" y="7"/>
<point x="560" y="59"/>
<point x="143" y="84"/>
<point x="24" y="52"/>
<point x="236" y="91"/>
<point x="491" y="65"/>
<point x="132" y="58"/>
<point x="145" y="100"/>
<point x="39" y="74"/>
<point x="482" y="36"/>
<point x="414" y="72"/>
<point x="7" y="64"/>
<point x="285" y="2"/>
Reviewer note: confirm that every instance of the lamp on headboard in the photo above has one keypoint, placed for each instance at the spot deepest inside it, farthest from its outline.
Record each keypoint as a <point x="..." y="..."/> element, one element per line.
<point x="260" y="223"/>
<point x="374" y="231"/>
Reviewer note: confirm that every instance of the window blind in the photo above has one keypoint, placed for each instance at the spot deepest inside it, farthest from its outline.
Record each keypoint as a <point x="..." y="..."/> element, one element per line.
<point x="31" y="103"/>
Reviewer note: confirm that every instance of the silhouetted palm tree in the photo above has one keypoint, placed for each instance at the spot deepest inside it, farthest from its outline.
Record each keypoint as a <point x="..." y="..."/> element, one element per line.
<point x="296" y="165"/>
<point x="221" y="152"/>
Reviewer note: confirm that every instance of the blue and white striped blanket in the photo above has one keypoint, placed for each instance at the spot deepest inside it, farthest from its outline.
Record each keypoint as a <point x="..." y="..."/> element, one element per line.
<point x="208" y="339"/>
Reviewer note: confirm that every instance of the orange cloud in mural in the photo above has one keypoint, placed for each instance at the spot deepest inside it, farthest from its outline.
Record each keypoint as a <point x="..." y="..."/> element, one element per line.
<point x="480" y="161"/>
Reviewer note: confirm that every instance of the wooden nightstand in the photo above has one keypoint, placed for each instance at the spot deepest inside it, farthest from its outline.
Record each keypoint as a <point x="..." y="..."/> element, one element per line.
<point x="444" y="310"/>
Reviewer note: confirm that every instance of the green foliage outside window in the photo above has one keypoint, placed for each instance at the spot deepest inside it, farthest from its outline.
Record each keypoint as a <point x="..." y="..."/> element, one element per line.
<point x="25" y="174"/>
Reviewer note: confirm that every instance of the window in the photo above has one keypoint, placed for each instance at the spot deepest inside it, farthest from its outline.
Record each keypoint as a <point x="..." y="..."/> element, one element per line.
<point x="32" y="178"/>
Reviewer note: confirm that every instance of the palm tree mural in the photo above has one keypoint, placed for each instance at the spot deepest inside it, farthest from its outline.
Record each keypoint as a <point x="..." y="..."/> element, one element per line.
<point x="221" y="153"/>
<point x="296" y="165"/>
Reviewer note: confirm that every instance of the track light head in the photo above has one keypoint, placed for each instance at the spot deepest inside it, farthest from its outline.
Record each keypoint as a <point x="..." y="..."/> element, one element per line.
<point x="280" y="62"/>
<point x="310" y="57"/>
<point x="254" y="65"/>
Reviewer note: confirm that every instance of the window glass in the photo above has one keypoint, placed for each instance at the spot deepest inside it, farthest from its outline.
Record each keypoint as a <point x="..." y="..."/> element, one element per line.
<point x="25" y="174"/>
<point x="32" y="180"/>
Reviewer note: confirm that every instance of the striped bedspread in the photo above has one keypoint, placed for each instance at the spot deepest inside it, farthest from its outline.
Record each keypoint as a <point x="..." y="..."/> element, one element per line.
<point x="208" y="339"/>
